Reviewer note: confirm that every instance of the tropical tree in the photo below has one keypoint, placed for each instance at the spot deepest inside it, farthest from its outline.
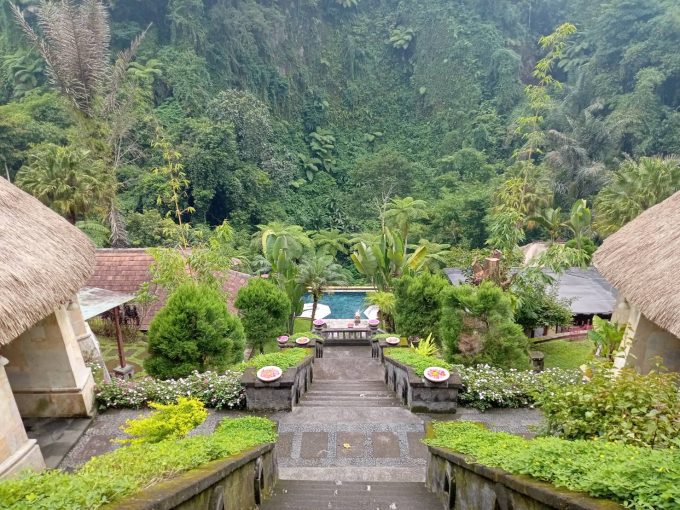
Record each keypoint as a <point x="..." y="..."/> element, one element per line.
<point x="331" y="241"/>
<point x="387" y="305"/>
<point x="283" y="246"/>
<point x="386" y="258"/>
<point x="400" y="213"/>
<point x="74" y="42"/>
<point x="551" y="220"/>
<point x="66" y="179"/>
<point x="316" y="272"/>
<point x="635" y="187"/>
<point x="75" y="47"/>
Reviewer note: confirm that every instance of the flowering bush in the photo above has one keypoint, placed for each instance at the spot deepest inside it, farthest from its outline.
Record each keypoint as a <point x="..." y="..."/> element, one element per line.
<point x="486" y="387"/>
<point x="219" y="391"/>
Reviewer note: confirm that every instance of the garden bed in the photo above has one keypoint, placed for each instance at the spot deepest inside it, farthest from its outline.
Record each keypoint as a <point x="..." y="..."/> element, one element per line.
<point x="285" y="392"/>
<point x="184" y="473"/>
<point x="416" y="392"/>
<point x="485" y="387"/>
<point x="471" y="467"/>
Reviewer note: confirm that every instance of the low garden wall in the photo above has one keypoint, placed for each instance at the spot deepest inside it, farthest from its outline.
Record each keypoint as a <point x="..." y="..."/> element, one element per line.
<point x="419" y="394"/>
<point x="279" y="395"/>
<point x="238" y="483"/>
<point x="467" y="486"/>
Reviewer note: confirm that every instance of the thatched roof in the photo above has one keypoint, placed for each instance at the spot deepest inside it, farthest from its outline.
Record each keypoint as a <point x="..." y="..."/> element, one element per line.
<point x="45" y="260"/>
<point x="642" y="260"/>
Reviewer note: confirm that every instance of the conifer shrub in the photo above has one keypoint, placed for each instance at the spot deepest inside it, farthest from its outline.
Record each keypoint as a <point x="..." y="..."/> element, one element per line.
<point x="418" y="304"/>
<point x="194" y="331"/>
<point x="264" y="310"/>
<point x="478" y="327"/>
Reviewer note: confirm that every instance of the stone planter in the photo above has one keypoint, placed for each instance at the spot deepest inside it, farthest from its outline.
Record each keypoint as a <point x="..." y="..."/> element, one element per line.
<point x="419" y="394"/>
<point x="240" y="482"/>
<point x="460" y="484"/>
<point x="282" y="394"/>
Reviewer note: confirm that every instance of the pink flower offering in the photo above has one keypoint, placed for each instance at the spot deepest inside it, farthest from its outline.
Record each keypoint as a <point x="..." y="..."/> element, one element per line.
<point x="350" y="325"/>
<point x="393" y="340"/>
<point x="303" y="340"/>
<point x="374" y="322"/>
<point x="436" y="374"/>
<point x="269" y="374"/>
<point x="319" y="323"/>
<point x="282" y="339"/>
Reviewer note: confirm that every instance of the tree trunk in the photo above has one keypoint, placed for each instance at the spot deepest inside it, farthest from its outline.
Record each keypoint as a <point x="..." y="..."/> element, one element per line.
<point x="314" y="303"/>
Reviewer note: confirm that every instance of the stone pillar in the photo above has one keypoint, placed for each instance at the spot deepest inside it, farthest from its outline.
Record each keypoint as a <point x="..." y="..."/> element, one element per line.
<point x="82" y="332"/>
<point x="17" y="451"/>
<point x="47" y="371"/>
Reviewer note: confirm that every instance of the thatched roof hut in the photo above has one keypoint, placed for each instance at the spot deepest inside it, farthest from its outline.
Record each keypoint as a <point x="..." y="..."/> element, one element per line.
<point x="642" y="260"/>
<point x="45" y="260"/>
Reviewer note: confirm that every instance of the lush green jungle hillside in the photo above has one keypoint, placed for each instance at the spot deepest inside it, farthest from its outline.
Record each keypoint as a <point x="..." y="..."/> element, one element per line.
<point x="319" y="112"/>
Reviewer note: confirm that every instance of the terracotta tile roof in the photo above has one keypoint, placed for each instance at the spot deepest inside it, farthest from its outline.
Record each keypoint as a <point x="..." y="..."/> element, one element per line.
<point x="125" y="269"/>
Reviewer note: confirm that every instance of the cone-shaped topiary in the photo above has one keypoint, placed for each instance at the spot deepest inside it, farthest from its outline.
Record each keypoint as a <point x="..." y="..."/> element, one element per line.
<point x="193" y="331"/>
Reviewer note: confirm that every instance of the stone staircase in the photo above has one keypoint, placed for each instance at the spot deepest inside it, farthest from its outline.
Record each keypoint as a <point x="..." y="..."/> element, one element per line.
<point x="310" y="495"/>
<point x="325" y="393"/>
<point x="349" y="444"/>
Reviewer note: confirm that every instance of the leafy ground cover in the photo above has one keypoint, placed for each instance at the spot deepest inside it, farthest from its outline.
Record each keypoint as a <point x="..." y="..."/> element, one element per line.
<point x="485" y="387"/>
<point x="283" y="359"/>
<point x="113" y="476"/>
<point x="565" y="354"/>
<point x="639" y="477"/>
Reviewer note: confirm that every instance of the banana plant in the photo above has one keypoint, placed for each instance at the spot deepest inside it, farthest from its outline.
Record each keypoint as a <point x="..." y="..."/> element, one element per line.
<point x="387" y="258"/>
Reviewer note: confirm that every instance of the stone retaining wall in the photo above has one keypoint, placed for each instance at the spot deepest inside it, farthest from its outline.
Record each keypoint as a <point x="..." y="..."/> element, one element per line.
<point x="464" y="486"/>
<point x="419" y="394"/>
<point x="237" y="483"/>
<point x="282" y="394"/>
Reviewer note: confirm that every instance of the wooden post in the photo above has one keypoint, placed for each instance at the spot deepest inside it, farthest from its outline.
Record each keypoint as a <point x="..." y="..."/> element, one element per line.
<point x="119" y="337"/>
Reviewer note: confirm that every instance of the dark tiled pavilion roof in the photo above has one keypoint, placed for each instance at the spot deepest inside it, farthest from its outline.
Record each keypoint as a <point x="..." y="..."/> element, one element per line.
<point x="125" y="269"/>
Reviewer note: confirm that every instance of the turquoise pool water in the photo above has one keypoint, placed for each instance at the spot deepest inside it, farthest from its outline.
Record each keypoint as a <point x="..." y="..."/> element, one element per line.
<point x="343" y="304"/>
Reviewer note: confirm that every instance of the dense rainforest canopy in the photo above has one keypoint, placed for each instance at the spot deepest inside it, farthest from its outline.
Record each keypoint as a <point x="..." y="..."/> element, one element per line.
<point x="319" y="112"/>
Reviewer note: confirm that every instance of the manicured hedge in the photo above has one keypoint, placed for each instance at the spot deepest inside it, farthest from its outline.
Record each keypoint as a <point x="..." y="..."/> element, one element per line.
<point x="638" y="477"/>
<point x="113" y="476"/>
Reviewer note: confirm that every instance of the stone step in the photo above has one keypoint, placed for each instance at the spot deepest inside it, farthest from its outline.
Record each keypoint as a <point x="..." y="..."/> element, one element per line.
<point x="330" y="395"/>
<point x="385" y="402"/>
<point x="308" y="495"/>
<point x="349" y="385"/>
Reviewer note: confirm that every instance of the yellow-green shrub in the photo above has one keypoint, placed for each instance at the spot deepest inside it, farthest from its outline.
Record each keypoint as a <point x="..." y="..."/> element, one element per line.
<point x="168" y="421"/>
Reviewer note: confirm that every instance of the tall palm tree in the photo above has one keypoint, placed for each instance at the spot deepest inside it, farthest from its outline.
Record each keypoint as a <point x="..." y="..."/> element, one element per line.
<point x="401" y="212"/>
<point x="318" y="271"/>
<point x="66" y="180"/>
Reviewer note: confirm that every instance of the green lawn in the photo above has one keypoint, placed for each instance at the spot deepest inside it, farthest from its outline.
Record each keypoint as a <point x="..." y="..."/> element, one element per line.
<point x="564" y="354"/>
<point x="302" y="326"/>
<point x="135" y="354"/>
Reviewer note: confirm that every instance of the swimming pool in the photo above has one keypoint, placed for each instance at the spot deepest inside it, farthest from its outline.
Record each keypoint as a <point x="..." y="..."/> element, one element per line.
<point x="344" y="304"/>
